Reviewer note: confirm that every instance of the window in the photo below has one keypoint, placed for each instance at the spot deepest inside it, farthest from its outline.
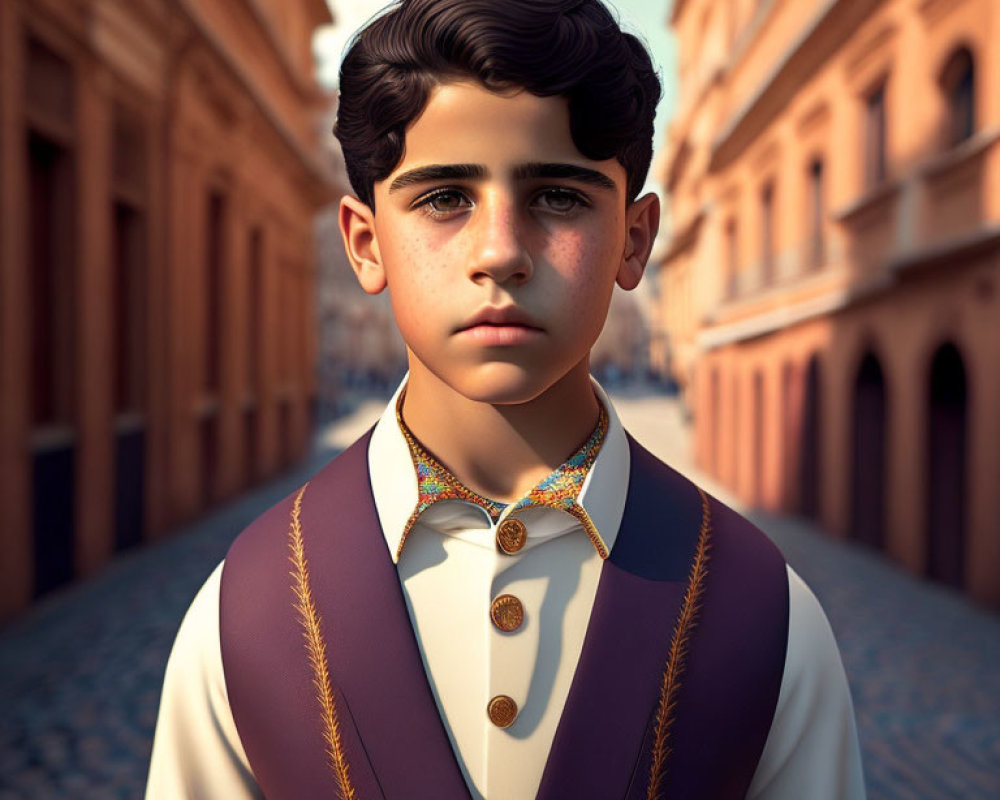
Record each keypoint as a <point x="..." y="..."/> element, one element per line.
<point x="255" y="308"/>
<point x="817" y="213"/>
<point x="50" y="258"/>
<point x="215" y="255"/>
<point x="767" y="233"/>
<point x="128" y="266"/>
<point x="732" y="258"/>
<point x="875" y="138"/>
<point x="958" y="83"/>
<point x="50" y="227"/>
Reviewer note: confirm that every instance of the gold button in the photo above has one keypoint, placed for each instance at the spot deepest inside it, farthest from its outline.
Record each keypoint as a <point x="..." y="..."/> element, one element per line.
<point x="511" y="535"/>
<point x="502" y="710"/>
<point x="507" y="613"/>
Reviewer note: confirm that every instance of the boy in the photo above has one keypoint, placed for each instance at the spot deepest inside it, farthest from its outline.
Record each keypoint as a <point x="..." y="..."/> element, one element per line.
<point x="496" y="592"/>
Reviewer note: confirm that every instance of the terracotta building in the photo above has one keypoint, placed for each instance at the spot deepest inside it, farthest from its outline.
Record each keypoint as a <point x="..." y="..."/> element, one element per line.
<point x="160" y="174"/>
<point x="831" y="295"/>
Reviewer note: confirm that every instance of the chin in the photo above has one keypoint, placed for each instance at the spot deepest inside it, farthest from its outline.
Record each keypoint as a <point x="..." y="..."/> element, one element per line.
<point x="501" y="383"/>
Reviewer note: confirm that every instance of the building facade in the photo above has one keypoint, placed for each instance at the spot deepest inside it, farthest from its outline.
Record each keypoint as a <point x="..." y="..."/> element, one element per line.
<point x="831" y="289"/>
<point x="161" y="172"/>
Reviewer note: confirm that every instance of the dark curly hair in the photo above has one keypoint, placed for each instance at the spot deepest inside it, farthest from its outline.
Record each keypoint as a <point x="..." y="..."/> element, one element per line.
<point x="570" y="48"/>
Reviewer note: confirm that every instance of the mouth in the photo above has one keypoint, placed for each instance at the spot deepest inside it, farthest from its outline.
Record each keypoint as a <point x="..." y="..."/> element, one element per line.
<point x="499" y="317"/>
<point x="499" y="327"/>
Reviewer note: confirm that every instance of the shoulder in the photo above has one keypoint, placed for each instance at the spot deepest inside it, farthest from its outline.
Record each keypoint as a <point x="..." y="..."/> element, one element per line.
<point x="341" y="480"/>
<point x="813" y="665"/>
<point x="325" y="513"/>
<point x="196" y="749"/>
<point x="812" y="748"/>
<point x="197" y="638"/>
<point x="677" y="512"/>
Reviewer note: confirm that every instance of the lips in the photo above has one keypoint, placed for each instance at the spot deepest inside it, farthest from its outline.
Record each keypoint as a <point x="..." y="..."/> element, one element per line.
<point x="499" y="317"/>
<point x="504" y="326"/>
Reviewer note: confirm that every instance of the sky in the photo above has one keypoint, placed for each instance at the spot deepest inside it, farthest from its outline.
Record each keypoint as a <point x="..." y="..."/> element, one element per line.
<point x="644" y="18"/>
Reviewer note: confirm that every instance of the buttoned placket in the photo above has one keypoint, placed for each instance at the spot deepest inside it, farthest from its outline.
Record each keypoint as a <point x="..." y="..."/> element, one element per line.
<point x="510" y="660"/>
<point x="453" y="573"/>
<point x="508" y="687"/>
<point x="509" y="676"/>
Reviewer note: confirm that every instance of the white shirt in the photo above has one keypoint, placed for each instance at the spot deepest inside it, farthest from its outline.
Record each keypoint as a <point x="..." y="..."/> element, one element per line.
<point x="811" y="750"/>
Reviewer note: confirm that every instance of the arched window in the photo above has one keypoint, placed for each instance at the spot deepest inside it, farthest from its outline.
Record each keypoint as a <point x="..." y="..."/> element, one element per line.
<point x="869" y="478"/>
<point x="947" y="446"/>
<point x="958" y="84"/>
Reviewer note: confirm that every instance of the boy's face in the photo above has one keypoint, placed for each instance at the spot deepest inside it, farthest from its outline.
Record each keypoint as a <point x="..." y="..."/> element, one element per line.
<point x="500" y="243"/>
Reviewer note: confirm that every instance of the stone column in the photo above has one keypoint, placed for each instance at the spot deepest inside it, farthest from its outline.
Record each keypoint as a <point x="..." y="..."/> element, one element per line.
<point x="836" y="426"/>
<point x="982" y="545"/>
<point x="905" y="364"/>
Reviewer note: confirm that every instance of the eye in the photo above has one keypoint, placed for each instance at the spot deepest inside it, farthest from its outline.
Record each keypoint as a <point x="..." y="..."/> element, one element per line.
<point x="561" y="201"/>
<point x="442" y="202"/>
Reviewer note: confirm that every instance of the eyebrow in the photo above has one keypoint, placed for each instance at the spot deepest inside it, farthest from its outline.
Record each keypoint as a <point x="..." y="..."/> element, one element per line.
<point x="437" y="172"/>
<point x="571" y="171"/>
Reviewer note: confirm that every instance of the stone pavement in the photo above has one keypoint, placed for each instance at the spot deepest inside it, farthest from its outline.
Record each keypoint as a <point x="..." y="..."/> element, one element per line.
<point x="80" y="673"/>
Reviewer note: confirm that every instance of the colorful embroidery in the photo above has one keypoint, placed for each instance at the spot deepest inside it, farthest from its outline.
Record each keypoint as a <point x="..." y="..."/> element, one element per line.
<point x="686" y="622"/>
<point x="559" y="490"/>
<point x="316" y="651"/>
<point x="562" y="487"/>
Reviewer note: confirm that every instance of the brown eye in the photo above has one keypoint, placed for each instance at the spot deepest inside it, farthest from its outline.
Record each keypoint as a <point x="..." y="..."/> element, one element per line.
<point x="561" y="201"/>
<point x="446" y="201"/>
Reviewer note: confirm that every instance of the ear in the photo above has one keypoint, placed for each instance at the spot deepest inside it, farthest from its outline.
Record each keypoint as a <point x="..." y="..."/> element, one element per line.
<point x="642" y="221"/>
<point x="357" y="227"/>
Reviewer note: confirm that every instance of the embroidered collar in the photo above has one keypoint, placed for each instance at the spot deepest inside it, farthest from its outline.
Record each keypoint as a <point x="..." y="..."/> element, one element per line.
<point x="559" y="490"/>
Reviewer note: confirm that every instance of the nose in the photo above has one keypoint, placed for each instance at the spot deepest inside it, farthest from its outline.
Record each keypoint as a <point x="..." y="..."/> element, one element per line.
<point x="499" y="253"/>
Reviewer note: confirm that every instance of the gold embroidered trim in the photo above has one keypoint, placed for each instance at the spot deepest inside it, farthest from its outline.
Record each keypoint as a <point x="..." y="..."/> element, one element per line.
<point x="686" y="621"/>
<point x="581" y="514"/>
<point x="316" y="650"/>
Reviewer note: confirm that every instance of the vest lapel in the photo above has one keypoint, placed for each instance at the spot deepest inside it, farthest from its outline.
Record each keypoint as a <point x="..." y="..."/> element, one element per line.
<point x="733" y="660"/>
<point x="617" y="682"/>
<point x="373" y="654"/>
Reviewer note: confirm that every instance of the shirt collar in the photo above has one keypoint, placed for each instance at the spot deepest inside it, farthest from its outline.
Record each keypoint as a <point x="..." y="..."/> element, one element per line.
<point x="559" y="490"/>
<point x="404" y="486"/>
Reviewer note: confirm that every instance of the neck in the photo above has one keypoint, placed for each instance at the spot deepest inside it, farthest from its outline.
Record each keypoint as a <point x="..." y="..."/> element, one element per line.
<point x="514" y="446"/>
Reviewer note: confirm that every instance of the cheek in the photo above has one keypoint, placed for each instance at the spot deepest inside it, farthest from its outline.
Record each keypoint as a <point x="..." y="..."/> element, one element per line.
<point x="587" y="261"/>
<point x="570" y="249"/>
<point x="415" y="262"/>
<point x="417" y="274"/>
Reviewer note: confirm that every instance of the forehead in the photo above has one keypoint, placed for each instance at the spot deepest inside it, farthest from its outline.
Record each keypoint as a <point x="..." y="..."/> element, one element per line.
<point x="465" y="123"/>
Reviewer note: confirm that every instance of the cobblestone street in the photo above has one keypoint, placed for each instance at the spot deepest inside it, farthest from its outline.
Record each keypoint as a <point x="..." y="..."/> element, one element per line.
<point x="80" y="673"/>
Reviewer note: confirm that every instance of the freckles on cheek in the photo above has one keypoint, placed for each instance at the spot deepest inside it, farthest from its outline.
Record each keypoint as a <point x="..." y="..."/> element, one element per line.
<point x="579" y="255"/>
<point x="570" y="251"/>
<point x="415" y="261"/>
<point x="434" y="264"/>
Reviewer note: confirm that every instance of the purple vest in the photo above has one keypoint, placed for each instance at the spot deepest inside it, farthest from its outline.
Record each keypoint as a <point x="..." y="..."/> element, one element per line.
<point x="390" y="734"/>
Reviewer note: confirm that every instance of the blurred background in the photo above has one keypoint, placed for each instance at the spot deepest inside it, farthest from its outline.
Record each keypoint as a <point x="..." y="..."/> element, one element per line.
<point x="181" y="339"/>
